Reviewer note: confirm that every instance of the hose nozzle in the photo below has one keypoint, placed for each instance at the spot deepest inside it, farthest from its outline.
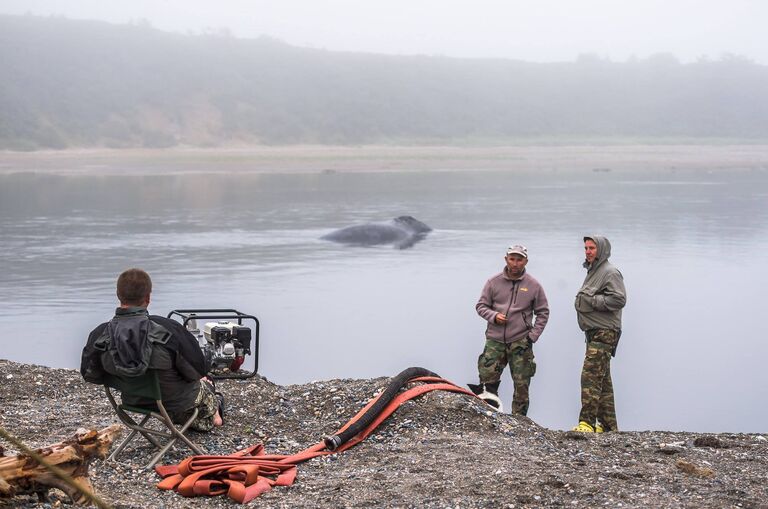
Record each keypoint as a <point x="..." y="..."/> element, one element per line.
<point x="332" y="443"/>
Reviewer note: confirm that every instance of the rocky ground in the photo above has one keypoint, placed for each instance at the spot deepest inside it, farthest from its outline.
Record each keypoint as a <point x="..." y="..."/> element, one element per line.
<point x="440" y="450"/>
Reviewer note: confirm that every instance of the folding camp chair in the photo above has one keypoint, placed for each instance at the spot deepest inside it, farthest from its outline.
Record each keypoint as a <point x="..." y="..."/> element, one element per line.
<point x="146" y="386"/>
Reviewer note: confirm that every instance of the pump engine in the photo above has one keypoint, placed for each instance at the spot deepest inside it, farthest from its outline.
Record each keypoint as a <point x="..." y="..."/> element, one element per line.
<point x="228" y="344"/>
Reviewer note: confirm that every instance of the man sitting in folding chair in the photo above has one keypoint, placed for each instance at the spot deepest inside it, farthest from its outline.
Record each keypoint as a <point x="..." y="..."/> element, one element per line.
<point x="135" y="348"/>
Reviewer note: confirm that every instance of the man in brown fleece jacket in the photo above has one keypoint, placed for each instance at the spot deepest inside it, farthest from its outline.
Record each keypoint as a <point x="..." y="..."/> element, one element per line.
<point x="515" y="306"/>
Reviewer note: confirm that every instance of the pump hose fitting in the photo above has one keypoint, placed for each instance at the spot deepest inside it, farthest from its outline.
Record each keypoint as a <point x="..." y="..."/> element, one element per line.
<point x="333" y="442"/>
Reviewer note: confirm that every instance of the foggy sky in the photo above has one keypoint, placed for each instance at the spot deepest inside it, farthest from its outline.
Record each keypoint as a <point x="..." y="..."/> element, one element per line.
<point x="539" y="31"/>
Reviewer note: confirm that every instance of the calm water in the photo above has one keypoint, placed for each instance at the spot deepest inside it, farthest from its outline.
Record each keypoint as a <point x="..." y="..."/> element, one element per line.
<point x="693" y="248"/>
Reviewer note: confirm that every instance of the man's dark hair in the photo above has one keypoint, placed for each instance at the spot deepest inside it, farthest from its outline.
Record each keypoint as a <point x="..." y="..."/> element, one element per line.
<point x="133" y="287"/>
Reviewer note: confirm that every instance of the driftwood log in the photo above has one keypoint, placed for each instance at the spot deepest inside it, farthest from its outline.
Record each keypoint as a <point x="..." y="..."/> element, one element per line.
<point x="22" y="474"/>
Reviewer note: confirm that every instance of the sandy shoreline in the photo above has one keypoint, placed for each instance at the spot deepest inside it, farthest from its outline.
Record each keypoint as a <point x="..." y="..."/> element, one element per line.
<point x="319" y="159"/>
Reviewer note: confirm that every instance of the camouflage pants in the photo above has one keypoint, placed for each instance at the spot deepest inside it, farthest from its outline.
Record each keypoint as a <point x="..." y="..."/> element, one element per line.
<point x="207" y="404"/>
<point x="596" y="385"/>
<point x="522" y="367"/>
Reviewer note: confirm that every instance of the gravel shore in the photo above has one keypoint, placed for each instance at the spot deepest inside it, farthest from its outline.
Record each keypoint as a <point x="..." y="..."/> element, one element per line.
<point x="440" y="450"/>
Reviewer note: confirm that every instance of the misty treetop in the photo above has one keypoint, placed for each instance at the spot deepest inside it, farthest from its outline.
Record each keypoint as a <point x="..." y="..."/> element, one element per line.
<point x="72" y="83"/>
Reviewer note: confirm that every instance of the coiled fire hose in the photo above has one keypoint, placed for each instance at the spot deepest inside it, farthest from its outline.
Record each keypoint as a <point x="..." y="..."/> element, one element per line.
<point x="246" y="474"/>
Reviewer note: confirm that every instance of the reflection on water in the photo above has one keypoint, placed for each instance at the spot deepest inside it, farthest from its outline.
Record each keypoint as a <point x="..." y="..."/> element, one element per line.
<point x="692" y="247"/>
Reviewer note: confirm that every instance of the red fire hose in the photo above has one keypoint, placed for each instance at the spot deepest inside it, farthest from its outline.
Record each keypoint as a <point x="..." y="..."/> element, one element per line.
<point x="247" y="474"/>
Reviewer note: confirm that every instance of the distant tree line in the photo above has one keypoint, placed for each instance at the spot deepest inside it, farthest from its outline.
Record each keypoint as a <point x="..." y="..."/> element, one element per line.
<point x="68" y="83"/>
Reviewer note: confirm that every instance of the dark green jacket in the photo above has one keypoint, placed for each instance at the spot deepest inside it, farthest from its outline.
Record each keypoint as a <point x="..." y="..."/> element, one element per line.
<point x="602" y="295"/>
<point x="134" y="341"/>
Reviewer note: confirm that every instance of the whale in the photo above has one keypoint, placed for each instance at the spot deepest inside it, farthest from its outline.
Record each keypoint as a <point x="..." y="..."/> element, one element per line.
<point x="402" y="232"/>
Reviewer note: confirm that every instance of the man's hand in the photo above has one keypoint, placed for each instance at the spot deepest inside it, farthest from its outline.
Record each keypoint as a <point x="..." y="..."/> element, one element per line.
<point x="501" y="318"/>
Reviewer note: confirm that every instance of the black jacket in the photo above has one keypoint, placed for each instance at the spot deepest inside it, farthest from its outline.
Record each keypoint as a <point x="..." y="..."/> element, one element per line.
<point x="133" y="341"/>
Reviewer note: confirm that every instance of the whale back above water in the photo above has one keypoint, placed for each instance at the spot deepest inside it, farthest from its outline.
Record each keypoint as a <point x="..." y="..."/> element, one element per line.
<point x="402" y="232"/>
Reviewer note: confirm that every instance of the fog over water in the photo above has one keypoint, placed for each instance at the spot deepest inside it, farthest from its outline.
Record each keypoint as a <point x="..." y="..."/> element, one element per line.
<point x="542" y="31"/>
<point x="692" y="246"/>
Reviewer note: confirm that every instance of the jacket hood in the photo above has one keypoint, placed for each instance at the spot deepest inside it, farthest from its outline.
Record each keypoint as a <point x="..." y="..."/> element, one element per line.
<point x="128" y="339"/>
<point x="603" y="250"/>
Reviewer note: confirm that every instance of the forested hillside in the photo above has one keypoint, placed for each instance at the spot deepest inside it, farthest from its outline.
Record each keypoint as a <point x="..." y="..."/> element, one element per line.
<point x="68" y="83"/>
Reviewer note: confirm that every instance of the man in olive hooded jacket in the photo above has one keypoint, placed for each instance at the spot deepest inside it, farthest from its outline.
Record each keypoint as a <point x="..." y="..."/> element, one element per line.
<point x="598" y="308"/>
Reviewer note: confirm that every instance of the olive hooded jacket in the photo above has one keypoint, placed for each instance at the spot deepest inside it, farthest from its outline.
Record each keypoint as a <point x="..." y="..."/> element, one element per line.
<point x="602" y="295"/>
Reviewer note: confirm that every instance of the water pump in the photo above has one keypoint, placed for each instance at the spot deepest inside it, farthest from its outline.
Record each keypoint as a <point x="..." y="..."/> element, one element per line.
<point x="226" y="341"/>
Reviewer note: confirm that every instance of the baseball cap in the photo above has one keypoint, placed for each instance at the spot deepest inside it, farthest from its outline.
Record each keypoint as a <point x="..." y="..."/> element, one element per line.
<point x="518" y="249"/>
